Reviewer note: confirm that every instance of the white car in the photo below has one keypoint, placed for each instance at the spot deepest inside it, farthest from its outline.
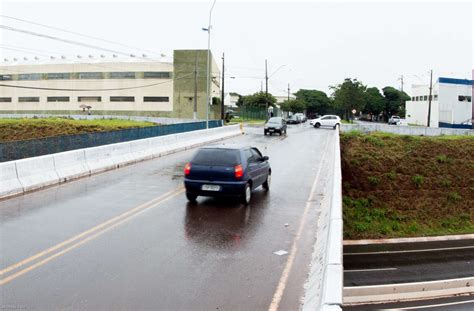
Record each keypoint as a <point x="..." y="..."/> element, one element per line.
<point x="326" y="121"/>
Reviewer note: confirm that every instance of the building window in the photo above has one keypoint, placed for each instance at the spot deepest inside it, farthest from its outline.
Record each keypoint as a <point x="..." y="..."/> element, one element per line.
<point x="157" y="74"/>
<point x="425" y="97"/>
<point x="89" y="75"/>
<point x="122" y="98"/>
<point x="5" y="99"/>
<point x="469" y="98"/>
<point x="28" y="99"/>
<point x="156" y="99"/>
<point x="461" y="98"/>
<point x="58" y="98"/>
<point x="413" y="99"/>
<point x="89" y="99"/>
<point x="435" y="97"/>
<point x="59" y="76"/>
<point x="122" y="75"/>
<point x="29" y="76"/>
<point x="6" y="77"/>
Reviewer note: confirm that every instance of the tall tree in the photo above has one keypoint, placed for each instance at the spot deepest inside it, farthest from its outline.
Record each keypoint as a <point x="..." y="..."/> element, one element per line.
<point x="315" y="101"/>
<point x="375" y="102"/>
<point x="293" y="105"/>
<point x="394" y="102"/>
<point x="259" y="99"/>
<point x="349" y="95"/>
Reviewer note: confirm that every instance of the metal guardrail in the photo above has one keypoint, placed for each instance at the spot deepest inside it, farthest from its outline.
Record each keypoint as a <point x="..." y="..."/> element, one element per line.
<point x="16" y="150"/>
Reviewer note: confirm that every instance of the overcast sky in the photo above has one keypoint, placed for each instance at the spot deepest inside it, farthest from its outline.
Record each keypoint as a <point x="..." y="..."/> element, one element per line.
<point x="319" y="43"/>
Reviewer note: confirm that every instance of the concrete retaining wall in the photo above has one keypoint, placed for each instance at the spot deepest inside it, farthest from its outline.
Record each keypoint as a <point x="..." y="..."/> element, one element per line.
<point x="25" y="175"/>
<point x="406" y="130"/>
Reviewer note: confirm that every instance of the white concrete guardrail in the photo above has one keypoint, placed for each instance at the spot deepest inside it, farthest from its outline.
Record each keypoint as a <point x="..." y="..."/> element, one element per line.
<point x="405" y="130"/>
<point x="29" y="174"/>
<point x="324" y="287"/>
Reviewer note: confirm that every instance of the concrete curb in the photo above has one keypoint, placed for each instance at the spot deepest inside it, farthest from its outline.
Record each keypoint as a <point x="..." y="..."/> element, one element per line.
<point x="355" y="295"/>
<point x="30" y="174"/>
<point x="411" y="240"/>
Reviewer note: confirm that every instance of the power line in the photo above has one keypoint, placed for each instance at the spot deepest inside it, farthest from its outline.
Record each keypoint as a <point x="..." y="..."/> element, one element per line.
<point x="89" y="90"/>
<point x="64" y="40"/>
<point x="79" y="34"/>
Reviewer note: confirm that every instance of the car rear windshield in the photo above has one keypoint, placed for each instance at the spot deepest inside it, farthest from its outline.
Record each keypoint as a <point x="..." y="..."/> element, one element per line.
<point x="274" y="120"/>
<point x="216" y="157"/>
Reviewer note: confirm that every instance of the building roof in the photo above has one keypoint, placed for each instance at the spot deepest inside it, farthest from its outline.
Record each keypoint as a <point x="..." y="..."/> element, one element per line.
<point x="455" y="81"/>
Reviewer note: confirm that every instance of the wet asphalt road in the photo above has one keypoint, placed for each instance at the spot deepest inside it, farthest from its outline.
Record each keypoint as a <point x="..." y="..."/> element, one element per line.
<point x="127" y="239"/>
<point x="408" y="262"/>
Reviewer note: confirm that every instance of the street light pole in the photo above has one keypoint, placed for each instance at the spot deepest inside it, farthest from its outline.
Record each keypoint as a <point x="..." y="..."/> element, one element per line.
<point x="266" y="90"/>
<point x="208" y="64"/>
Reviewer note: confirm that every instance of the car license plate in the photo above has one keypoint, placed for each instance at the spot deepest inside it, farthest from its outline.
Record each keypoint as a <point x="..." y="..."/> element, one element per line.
<point x="211" y="188"/>
<point x="271" y="130"/>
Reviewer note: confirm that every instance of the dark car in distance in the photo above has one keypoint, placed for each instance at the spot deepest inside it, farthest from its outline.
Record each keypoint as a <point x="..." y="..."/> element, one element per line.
<point x="275" y="125"/>
<point x="226" y="171"/>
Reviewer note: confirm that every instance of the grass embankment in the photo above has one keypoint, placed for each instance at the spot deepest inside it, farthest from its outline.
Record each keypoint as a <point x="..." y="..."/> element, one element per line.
<point x="23" y="129"/>
<point x="401" y="186"/>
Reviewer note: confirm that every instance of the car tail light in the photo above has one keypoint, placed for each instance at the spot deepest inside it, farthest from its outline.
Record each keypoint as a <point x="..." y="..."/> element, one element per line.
<point x="239" y="171"/>
<point x="187" y="168"/>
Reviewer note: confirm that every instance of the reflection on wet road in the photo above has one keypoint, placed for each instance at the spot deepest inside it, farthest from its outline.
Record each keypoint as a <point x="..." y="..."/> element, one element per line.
<point x="128" y="239"/>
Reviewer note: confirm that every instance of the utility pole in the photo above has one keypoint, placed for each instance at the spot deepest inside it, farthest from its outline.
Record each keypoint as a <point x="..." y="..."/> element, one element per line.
<point x="222" y="89"/>
<point x="266" y="90"/>
<point x="195" y="89"/>
<point x="288" y="92"/>
<point x="429" y="97"/>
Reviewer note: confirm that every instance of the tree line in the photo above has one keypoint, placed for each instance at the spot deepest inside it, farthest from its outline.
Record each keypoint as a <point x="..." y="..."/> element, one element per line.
<point x="345" y="97"/>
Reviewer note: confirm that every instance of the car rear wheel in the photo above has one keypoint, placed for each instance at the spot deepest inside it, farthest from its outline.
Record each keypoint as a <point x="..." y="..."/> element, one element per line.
<point x="191" y="197"/>
<point x="266" y="184"/>
<point x="317" y="125"/>
<point x="247" y="194"/>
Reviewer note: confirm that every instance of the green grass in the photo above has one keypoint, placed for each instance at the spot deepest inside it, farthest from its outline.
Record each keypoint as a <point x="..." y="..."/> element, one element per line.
<point x="401" y="186"/>
<point x="23" y="129"/>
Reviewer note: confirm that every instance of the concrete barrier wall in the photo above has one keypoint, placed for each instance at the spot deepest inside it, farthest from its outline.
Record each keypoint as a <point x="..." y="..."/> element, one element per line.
<point x="324" y="287"/>
<point x="25" y="175"/>
<point x="406" y="130"/>
<point x="9" y="182"/>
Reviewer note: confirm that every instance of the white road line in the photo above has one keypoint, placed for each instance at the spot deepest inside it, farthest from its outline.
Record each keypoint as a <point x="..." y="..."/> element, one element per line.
<point x="433" y="306"/>
<point x="412" y="251"/>
<point x="368" y="270"/>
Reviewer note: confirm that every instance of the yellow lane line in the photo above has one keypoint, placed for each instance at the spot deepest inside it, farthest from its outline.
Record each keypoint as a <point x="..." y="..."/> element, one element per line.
<point x="92" y="230"/>
<point x="81" y="242"/>
<point x="278" y="295"/>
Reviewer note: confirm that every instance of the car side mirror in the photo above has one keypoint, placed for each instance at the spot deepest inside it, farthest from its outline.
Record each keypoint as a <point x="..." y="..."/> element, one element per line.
<point x="265" y="158"/>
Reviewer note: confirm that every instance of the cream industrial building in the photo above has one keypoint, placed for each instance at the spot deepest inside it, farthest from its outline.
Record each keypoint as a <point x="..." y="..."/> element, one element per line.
<point x="111" y="86"/>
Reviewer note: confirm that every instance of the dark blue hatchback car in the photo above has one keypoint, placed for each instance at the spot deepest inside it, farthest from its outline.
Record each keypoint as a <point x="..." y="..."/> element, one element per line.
<point x="226" y="171"/>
